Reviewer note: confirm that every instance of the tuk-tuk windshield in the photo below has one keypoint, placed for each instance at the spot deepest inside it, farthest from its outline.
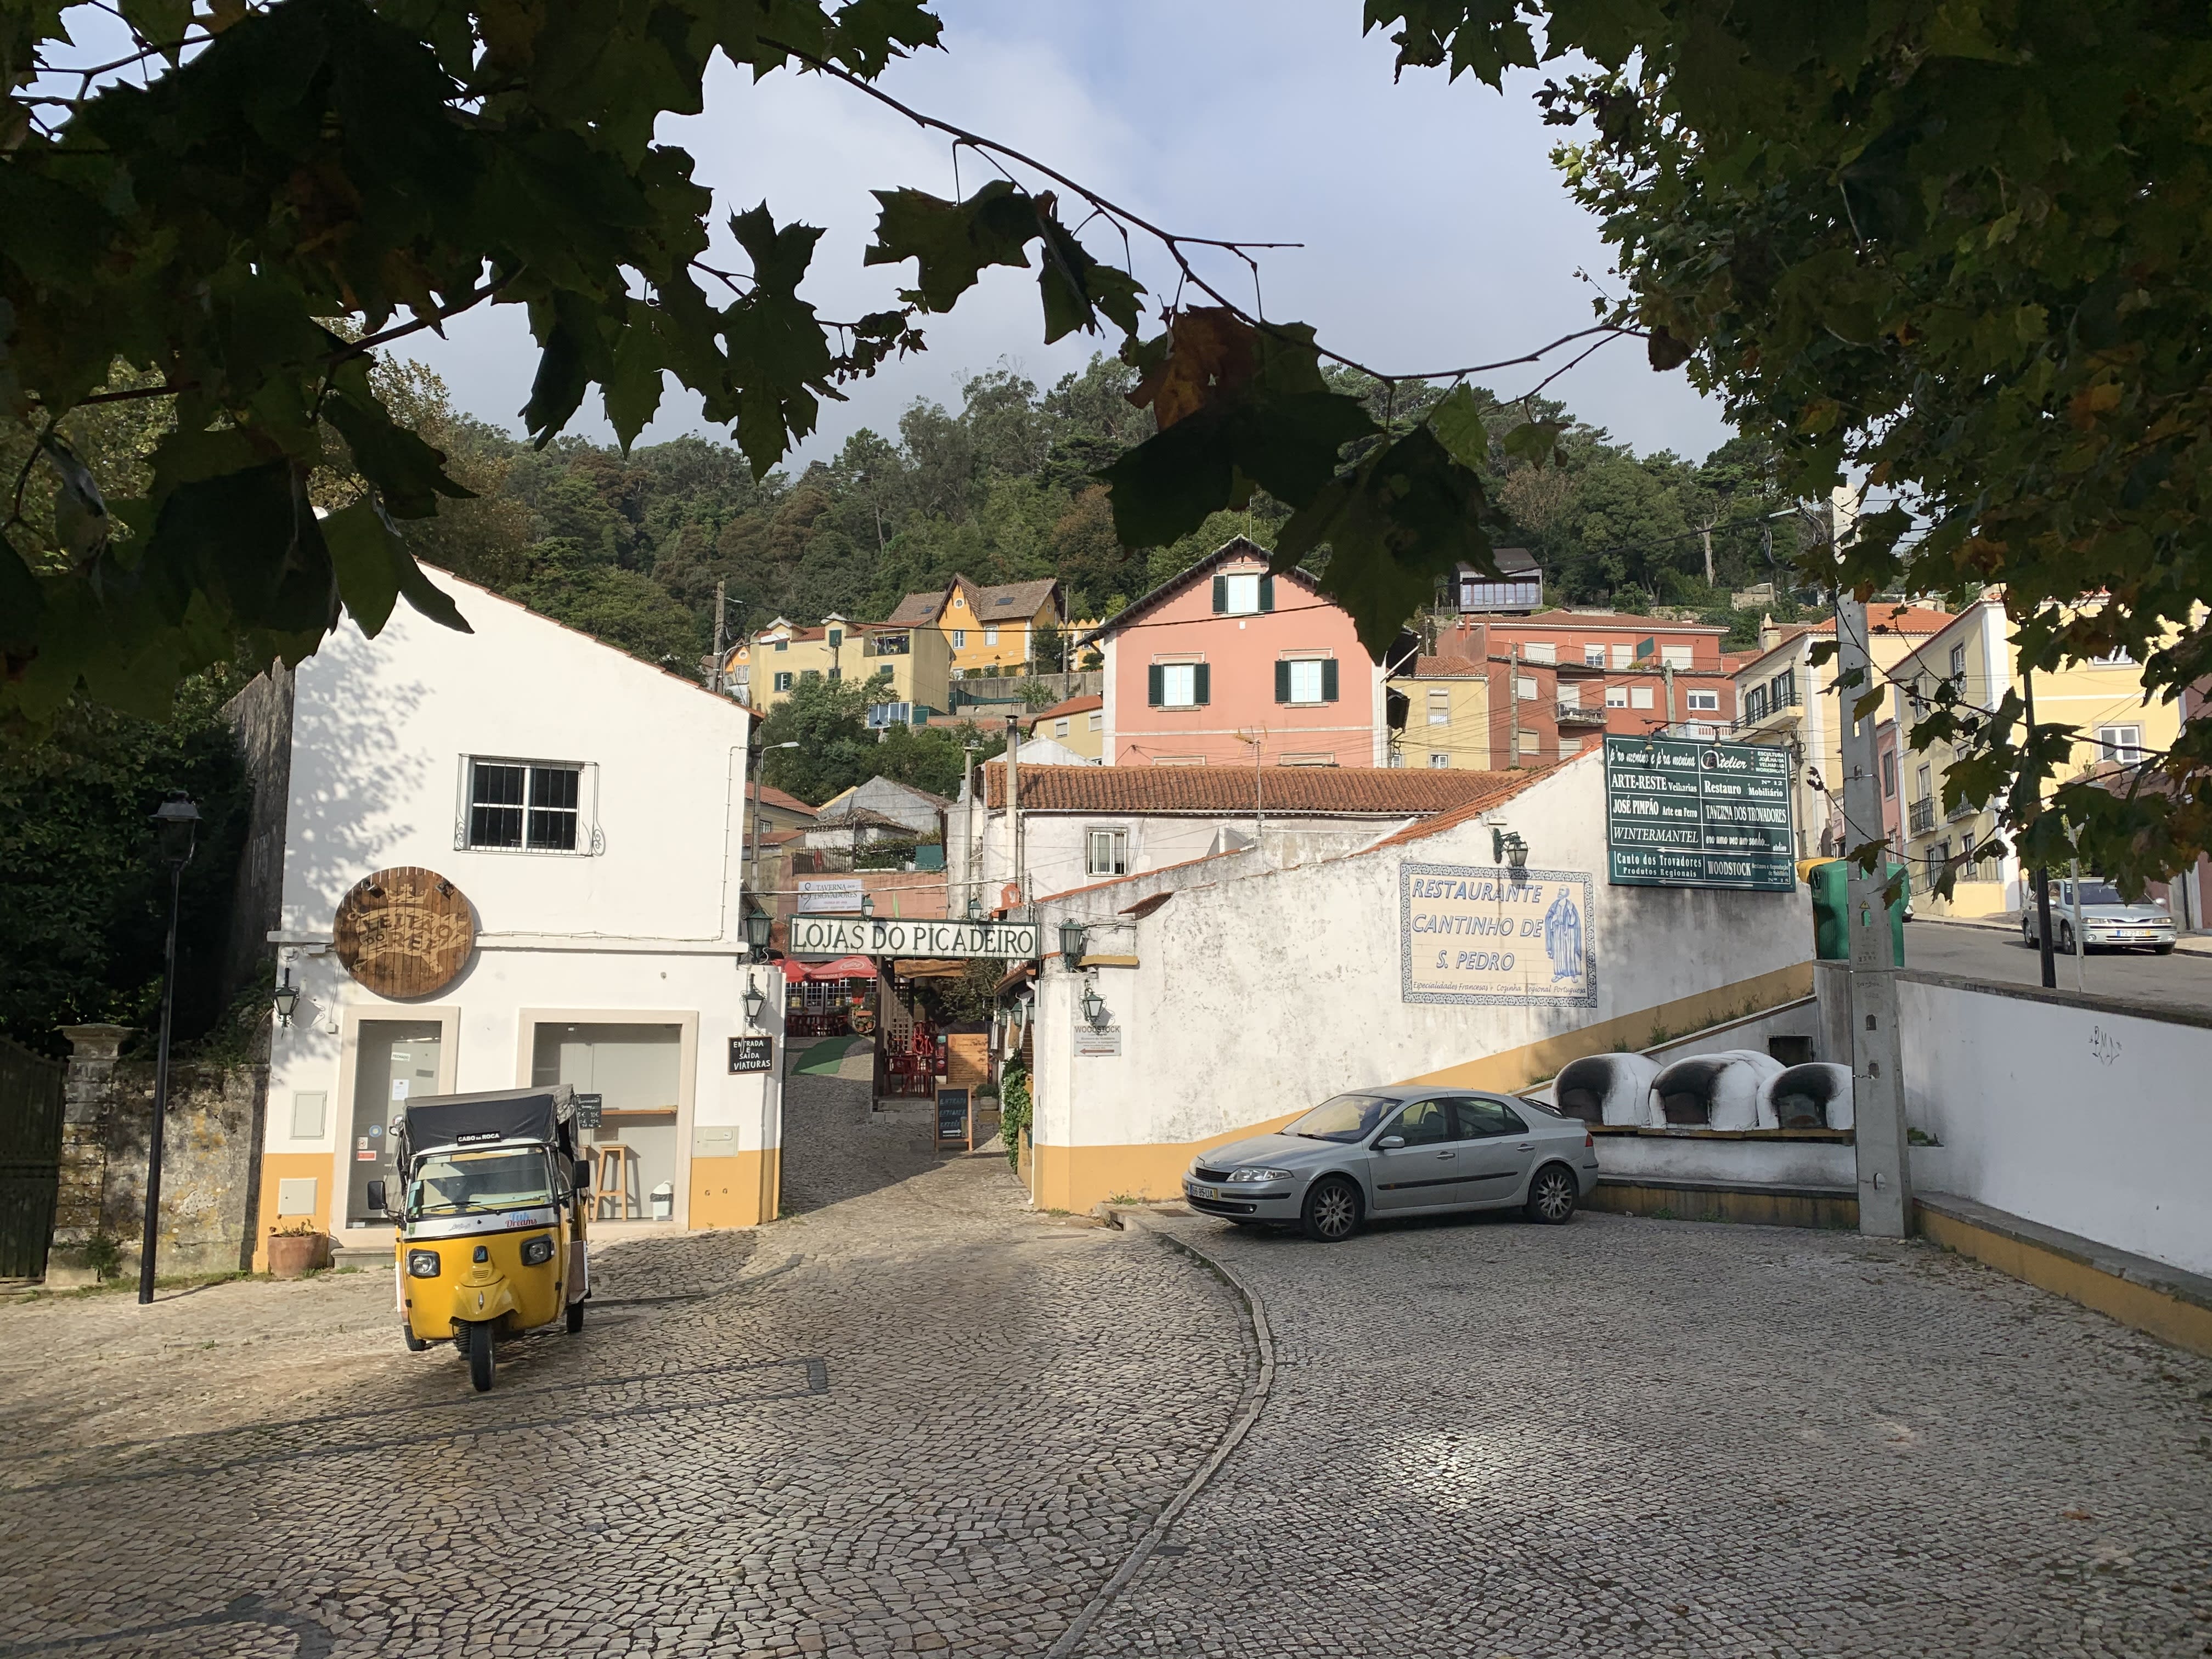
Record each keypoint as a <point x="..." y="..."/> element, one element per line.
<point x="449" y="1183"/>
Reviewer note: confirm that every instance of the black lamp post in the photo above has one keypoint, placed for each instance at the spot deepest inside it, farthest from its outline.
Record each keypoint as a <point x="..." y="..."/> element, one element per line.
<point x="176" y="825"/>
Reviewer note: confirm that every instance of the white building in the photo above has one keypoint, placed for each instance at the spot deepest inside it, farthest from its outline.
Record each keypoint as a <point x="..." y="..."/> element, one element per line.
<point x="1247" y="994"/>
<point x="1081" y="825"/>
<point x="582" y="810"/>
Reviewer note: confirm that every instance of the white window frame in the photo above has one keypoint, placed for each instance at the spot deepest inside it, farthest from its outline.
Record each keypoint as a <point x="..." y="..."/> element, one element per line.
<point x="590" y="843"/>
<point x="1439" y="762"/>
<point x="1097" y="720"/>
<point x="2112" y="746"/>
<point x="1543" y="651"/>
<point x="1236" y="586"/>
<point x="1593" y="656"/>
<point x="1525" y="690"/>
<point x="1060" y="727"/>
<point x="1439" y="705"/>
<point x="1310" y="665"/>
<point x="1115" y="838"/>
<point x="990" y="636"/>
<point x="1623" y="656"/>
<point x="1639" y="696"/>
<point x="1616" y="697"/>
<point x="1676" y="657"/>
<point x="1705" y="702"/>
<point x="1167" y="698"/>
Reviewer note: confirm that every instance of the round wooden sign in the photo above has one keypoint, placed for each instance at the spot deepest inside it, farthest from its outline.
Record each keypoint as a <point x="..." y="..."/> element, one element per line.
<point x="404" y="932"/>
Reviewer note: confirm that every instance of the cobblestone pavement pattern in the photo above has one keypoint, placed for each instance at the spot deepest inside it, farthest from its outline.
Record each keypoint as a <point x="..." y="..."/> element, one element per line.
<point x="911" y="1418"/>
<point x="1486" y="1438"/>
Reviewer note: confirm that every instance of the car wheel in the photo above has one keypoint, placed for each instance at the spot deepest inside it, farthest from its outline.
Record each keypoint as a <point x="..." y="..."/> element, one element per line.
<point x="2026" y="933"/>
<point x="2065" y="940"/>
<point x="1553" y="1195"/>
<point x="2161" y="950"/>
<point x="1331" y="1214"/>
<point x="482" y="1362"/>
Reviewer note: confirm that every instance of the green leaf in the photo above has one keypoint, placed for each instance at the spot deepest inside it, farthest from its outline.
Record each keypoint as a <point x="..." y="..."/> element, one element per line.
<point x="159" y="22"/>
<point x="408" y="473"/>
<point x="249" y="540"/>
<point x="427" y="598"/>
<point x="1077" y="287"/>
<point x="634" y="385"/>
<point x="80" y="511"/>
<point x="1287" y="444"/>
<point x="1535" y="441"/>
<point x="366" y="554"/>
<point x="1457" y="421"/>
<point x="951" y="242"/>
<point x="1408" y="513"/>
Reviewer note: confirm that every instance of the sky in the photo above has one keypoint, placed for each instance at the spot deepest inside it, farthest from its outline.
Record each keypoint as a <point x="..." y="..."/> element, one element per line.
<point x="1435" y="233"/>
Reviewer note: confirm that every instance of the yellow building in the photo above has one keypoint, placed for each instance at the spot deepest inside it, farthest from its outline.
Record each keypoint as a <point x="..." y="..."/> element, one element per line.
<point x="1783" y="698"/>
<point x="901" y="665"/>
<point x="2114" y="721"/>
<point x="1078" y="724"/>
<point x="986" y="631"/>
<point x="1448" y="716"/>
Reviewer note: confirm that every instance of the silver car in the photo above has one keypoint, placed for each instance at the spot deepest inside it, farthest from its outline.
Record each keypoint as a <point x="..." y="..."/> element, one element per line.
<point x="1398" y="1151"/>
<point x="2107" y="919"/>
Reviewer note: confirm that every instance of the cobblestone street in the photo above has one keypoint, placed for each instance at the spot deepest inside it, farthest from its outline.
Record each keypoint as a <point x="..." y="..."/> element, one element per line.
<point x="914" y="1417"/>
<point x="1486" y="1438"/>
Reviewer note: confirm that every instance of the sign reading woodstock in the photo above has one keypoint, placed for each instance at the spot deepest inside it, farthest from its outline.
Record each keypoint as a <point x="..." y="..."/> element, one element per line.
<point x="1494" y="936"/>
<point x="1681" y="813"/>
<point x="859" y="936"/>
<point x="404" y="932"/>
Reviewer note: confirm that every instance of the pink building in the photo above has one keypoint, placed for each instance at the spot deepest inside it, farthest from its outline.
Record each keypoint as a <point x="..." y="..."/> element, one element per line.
<point x="1224" y="656"/>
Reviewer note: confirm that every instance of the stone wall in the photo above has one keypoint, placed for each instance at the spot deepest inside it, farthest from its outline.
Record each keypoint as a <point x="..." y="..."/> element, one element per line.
<point x="210" y="1164"/>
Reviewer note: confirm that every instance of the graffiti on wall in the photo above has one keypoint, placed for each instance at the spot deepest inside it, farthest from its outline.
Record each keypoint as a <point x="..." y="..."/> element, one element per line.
<point x="1497" y="936"/>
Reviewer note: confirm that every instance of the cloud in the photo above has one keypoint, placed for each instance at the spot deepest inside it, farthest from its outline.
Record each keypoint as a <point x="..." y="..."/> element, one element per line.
<point x="1435" y="233"/>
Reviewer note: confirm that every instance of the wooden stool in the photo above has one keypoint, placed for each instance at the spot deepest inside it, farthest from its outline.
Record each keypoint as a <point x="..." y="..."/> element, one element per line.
<point x="616" y="1162"/>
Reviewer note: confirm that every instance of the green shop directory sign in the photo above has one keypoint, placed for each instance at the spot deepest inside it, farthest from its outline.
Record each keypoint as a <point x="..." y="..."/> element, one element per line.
<point x="1681" y="813"/>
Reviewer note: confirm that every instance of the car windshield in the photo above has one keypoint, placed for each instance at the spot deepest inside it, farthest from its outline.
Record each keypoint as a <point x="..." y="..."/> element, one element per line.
<point x="2100" y="892"/>
<point x="1343" y="1117"/>
<point x="447" y="1183"/>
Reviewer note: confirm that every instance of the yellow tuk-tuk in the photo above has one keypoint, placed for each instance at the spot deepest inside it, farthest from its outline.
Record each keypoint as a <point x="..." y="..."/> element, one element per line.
<point x="491" y="1225"/>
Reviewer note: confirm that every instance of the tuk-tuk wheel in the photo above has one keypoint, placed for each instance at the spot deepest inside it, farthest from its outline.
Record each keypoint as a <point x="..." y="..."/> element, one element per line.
<point x="415" y="1344"/>
<point x="481" y="1363"/>
<point x="575" y="1317"/>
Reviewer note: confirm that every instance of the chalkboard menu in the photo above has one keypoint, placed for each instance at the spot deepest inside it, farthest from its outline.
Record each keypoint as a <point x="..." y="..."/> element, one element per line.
<point x="588" y="1109"/>
<point x="951" y="1114"/>
<point x="1682" y="813"/>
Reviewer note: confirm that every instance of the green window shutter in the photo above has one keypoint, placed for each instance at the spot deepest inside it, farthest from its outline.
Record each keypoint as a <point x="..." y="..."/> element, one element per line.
<point x="1154" y="688"/>
<point x="1267" y="596"/>
<point x="1328" y="680"/>
<point x="1282" y="682"/>
<point x="1204" y="676"/>
<point x="1220" y="595"/>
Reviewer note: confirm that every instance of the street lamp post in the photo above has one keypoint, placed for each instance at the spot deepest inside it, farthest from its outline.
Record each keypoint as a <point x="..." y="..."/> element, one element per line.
<point x="176" y="825"/>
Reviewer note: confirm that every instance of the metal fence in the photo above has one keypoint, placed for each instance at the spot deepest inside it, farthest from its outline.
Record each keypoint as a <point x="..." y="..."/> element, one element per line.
<point x="30" y="1158"/>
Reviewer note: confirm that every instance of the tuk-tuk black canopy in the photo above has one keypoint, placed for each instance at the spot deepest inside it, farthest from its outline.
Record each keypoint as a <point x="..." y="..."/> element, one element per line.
<point x="544" y="1115"/>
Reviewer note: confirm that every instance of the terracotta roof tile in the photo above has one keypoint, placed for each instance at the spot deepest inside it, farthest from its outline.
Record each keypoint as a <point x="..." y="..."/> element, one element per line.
<point x="1448" y="668"/>
<point x="918" y="610"/>
<point x="1503" y="787"/>
<point x="772" y="796"/>
<point x="1082" y="705"/>
<point x="1022" y="599"/>
<point x="1300" y="790"/>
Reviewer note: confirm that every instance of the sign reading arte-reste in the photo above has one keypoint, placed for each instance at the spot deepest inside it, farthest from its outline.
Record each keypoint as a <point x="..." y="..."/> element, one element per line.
<point x="1494" y="936"/>
<point x="861" y="936"/>
<point x="1681" y="813"/>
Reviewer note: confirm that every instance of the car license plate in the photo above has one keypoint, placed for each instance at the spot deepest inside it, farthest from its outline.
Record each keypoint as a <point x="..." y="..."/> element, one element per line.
<point x="1205" y="1192"/>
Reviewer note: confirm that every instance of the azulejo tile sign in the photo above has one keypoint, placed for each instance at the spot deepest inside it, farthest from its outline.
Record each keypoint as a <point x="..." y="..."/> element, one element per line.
<point x="1681" y="813"/>
<point x="1494" y="936"/>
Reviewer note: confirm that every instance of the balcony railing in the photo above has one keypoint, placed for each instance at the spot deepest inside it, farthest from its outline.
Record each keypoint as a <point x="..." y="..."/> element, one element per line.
<point x="1922" y="817"/>
<point x="1574" y="713"/>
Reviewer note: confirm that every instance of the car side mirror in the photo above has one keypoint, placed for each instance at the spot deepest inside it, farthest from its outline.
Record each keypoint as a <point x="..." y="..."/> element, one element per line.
<point x="376" y="1198"/>
<point x="1390" y="1143"/>
<point x="580" y="1176"/>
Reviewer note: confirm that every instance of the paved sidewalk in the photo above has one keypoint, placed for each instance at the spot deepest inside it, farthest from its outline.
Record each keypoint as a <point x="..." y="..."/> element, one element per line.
<point x="913" y="1418"/>
<point x="1626" y="1436"/>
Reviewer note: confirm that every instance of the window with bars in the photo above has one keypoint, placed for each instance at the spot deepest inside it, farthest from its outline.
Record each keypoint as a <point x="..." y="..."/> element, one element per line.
<point x="525" y="806"/>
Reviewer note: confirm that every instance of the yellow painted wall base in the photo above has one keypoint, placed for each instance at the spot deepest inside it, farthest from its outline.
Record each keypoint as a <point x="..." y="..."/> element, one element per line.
<point x="2181" y="1323"/>
<point x="290" y="1166"/>
<point x="742" y="1191"/>
<point x="1076" y="1177"/>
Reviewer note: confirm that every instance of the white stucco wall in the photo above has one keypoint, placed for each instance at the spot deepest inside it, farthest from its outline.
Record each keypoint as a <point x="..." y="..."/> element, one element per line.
<point x="645" y="929"/>
<point x="1259" y="996"/>
<point x="2081" y="1119"/>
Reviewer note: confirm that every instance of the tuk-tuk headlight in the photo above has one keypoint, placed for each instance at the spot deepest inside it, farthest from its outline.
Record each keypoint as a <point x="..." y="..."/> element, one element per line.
<point x="537" y="1252"/>
<point x="423" y="1264"/>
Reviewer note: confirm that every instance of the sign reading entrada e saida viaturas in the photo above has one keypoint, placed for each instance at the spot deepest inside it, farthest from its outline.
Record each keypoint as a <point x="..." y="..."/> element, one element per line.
<point x="1682" y="813"/>
<point x="1494" y="936"/>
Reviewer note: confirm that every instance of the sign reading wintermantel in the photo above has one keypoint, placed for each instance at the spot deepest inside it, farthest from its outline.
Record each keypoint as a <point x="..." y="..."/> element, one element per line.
<point x="404" y="932"/>
<point x="875" y="936"/>
<point x="1681" y="813"/>
<point x="1494" y="936"/>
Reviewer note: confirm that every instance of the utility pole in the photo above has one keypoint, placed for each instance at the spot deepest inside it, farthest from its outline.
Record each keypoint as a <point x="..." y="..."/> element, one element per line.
<point x="2043" y="944"/>
<point x="1885" y="1175"/>
<point x="714" y="676"/>
<point x="1667" y="673"/>
<point x="1513" y="703"/>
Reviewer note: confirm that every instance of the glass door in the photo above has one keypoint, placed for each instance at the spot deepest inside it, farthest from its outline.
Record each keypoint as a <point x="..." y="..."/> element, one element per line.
<point x="637" y="1165"/>
<point x="393" y="1060"/>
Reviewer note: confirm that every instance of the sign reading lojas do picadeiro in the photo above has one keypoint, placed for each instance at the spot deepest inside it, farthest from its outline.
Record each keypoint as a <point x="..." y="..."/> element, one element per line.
<point x="879" y="936"/>
<point x="1682" y="813"/>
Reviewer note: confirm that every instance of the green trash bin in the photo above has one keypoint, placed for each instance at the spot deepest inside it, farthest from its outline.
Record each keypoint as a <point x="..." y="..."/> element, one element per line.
<point x="1832" y="937"/>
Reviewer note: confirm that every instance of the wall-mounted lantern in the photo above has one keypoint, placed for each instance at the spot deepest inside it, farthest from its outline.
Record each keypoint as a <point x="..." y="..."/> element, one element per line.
<point x="288" y="996"/>
<point x="760" y="927"/>
<point x="1506" y="848"/>
<point x="1070" y="944"/>
<point x="755" y="1000"/>
<point x="1095" y="1009"/>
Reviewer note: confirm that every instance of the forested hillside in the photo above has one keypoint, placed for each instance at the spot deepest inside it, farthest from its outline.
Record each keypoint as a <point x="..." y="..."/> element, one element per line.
<point x="630" y="547"/>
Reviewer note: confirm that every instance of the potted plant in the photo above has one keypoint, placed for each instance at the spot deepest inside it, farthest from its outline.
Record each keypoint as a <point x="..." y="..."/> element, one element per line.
<point x="297" y="1250"/>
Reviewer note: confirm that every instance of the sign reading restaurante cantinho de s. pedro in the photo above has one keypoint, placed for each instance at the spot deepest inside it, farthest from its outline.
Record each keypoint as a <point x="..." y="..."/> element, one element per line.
<point x="1496" y="936"/>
